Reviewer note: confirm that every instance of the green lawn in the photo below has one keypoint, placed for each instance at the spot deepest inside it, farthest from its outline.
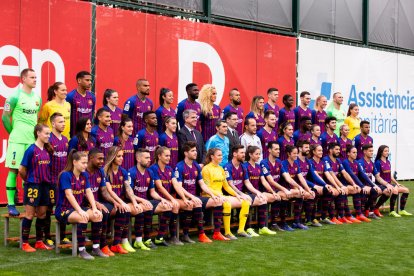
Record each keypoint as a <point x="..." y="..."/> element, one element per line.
<point x="384" y="247"/>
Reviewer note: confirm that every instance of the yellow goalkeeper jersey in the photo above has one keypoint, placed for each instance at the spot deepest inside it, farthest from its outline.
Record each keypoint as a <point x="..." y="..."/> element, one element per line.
<point x="215" y="179"/>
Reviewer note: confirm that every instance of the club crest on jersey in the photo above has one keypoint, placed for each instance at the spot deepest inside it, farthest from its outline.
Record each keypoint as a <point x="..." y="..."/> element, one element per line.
<point x="90" y="102"/>
<point x="7" y="107"/>
<point x="112" y="136"/>
<point x="83" y="182"/>
<point x="37" y="103"/>
<point x="13" y="162"/>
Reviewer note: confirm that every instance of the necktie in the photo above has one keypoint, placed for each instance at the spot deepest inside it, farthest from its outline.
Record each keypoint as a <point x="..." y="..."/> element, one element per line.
<point x="192" y="133"/>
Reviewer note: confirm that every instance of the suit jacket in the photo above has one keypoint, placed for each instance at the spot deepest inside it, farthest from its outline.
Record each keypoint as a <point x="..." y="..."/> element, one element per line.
<point x="234" y="141"/>
<point x="184" y="135"/>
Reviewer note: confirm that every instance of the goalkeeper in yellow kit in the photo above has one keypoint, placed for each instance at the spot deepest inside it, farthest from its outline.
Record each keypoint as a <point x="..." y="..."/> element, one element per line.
<point x="215" y="178"/>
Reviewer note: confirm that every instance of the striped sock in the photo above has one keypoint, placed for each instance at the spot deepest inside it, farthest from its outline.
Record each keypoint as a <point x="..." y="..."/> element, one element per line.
<point x="40" y="228"/>
<point x="47" y="224"/>
<point x="283" y="207"/>
<point x="217" y="218"/>
<point x="105" y="221"/>
<point x="262" y="215"/>
<point x="163" y="224"/>
<point x="147" y="224"/>
<point x="346" y="206"/>
<point x="173" y="224"/>
<point x="26" y="225"/>
<point x="403" y="200"/>
<point x="118" y="227"/>
<point x="393" y="199"/>
<point x="383" y="198"/>
<point x="331" y="207"/>
<point x="96" y="232"/>
<point x="339" y="204"/>
<point x="275" y="210"/>
<point x="188" y="217"/>
<point x="81" y="237"/>
<point x="357" y="203"/>
<point x="297" y="209"/>
<point x="139" y="225"/>
<point x="369" y="204"/>
<point x="309" y="206"/>
<point x="198" y="216"/>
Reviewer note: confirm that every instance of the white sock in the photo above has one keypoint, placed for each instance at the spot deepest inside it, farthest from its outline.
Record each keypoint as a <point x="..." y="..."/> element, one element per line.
<point x="138" y="239"/>
<point x="124" y="240"/>
<point x="95" y="246"/>
<point x="81" y="248"/>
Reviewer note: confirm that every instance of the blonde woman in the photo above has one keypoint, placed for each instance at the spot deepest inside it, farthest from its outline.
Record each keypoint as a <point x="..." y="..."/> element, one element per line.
<point x="319" y="114"/>
<point x="257" y="112"/>
<point x="210" y="112"/>
<point x="353" y="121"/>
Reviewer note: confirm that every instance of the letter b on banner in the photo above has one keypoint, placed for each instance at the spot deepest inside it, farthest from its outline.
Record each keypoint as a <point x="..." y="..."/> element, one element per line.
<point x="190" y="52"/>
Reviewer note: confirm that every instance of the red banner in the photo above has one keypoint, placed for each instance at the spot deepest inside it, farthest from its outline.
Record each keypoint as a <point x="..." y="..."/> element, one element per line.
<point x="54" y="37"/>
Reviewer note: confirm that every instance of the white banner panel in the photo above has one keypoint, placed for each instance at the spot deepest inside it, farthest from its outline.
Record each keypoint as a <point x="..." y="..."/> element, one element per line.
<point x="379" y="82"/>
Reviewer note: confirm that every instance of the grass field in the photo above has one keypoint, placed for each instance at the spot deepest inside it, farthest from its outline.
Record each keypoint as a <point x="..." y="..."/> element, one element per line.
<point x="384" y="247"/>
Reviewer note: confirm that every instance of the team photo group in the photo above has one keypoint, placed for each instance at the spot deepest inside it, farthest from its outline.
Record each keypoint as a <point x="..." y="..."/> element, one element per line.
<point x="86" y="162"/>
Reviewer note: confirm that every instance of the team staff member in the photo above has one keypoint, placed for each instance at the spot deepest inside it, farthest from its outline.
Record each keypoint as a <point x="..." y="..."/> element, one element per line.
<point x="73" y="188"/>
<point x="56" y="103"/>
<point x="19" y="118"/>
<point x="81" y="100"/>
<point x="34" y="170"/>
<point x="110" y="103"/>
<point x="215" y="178"/>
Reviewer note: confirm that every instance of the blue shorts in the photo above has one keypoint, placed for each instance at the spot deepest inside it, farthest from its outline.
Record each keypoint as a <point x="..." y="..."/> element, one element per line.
<point x="63" y="216"/>
<point x="36" y="194"/>
<point x="52" y="194"/>
<point x="252" y="196"/>
<point x="154" y="203"/>
<point x="204" y="201"/>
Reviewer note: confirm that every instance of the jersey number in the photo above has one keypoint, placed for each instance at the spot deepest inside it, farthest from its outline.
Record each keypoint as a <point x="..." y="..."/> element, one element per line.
<point x="14" y="155"/>
<point x="32" y="193"/>
<point x="51" y="194"/>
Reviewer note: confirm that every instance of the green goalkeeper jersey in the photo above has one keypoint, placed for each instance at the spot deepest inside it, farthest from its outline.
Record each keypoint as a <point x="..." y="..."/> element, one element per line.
<point x="24" y="109"/>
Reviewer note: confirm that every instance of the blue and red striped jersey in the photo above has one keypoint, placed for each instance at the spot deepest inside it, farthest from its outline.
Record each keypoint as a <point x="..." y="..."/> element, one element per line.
<point x="116" y="116"/>
<point x="78" y="186"/>
<point x="282" y="144"/>
<point x="318" y="118"/>
<point x="128" y="149"/>
<point x="271" y="169"/>
<point x="59" y="157"/>
<point x="300" y="113"/>
<point x="141" y="183"/>
<point x="188" y="176"/>
<point x="326" y="139"/>
<point x="265" y="138"/>
<point x="163" y="113"/>
<point x="185" y="105"/>
<point x="117" y="182"/>
<point x="96" y="181"/>
<point x="36" y="161"/>
<point x="165" y="177"/>
<point x="81" y="107"/>
<point x="260" y="122"/>
<point x="286" y="116"/>
<point x="208" y="122"/>
<point x="172" y="144"/>
<point x="236" y="174"/>
<point x="74" y="144"/>
<point x="343" y="144"/>
<point x="134" y="107"/>
<point x="254" y="172"/>
<point x="359" y="141"/>
<point x="104" y="139"/>
<point x="146" y="140"/>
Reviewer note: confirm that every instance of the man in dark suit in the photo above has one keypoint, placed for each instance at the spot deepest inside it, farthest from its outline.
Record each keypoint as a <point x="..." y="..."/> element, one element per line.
<point x="189" y="133"/>
<point x="232" y="122"/>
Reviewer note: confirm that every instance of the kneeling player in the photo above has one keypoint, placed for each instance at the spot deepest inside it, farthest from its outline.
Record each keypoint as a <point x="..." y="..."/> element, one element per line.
<point x="188" y="174"/>
<point x="73" y="187"/>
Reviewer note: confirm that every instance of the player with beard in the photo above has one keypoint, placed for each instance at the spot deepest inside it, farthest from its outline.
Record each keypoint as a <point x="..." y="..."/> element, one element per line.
<point x="303" y="109"/>
<point x="189" y="103"/>
<point x="363" y="138"/>
<point x="285" y="138"/>
<point x="147" y="138"/>
<point x="268" y="132"/>
<point x="234" y="106"/>
<point x="103" y="133"/>
<point x="303" y="133"/>
<point x="329" y="135"/>
<point x="272" y="96"/>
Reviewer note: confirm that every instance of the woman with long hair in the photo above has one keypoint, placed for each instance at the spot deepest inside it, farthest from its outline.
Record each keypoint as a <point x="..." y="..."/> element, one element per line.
<point x="110" y="103"/>
<point x="34" y="170"/>
<point x="215" y="178"/>
<point x="56" y="103"/>
<point x="319" y="114"/>
<point x="353" y="120"/>
<point x="165" y="110"/>
<point x="257" y="112"/>
<point x="73" y="185"/>
<point x="316" y="135"/>
<point x="169" y="139"/>
<point x="210" y="112"/>
<point x="343" y="140"/>
<point x="383" y="166"/>
<point x="119" y="188"/>
<point x="125" y="141"/>
<point x="83" y="140"/>
<point x="285" y="138"/>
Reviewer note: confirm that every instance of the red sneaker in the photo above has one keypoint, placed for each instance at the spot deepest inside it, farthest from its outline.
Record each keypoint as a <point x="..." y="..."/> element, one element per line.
<point x="344" y="220"/>
<point x="203" y="238"/>
<point x="42" y="246"/>
<point x="217" y="236"/>
<point x="347" y="220"/>
<point x="366" y="213"/>
<point x="336" y="220"/>
<point x="353" y="220"/>
<point x="27" y="248"/>
<point x="363" y="218"/>
<point x="107" y="251"/>
<point x="118" y="249"/>
<point x="378" y="213"/>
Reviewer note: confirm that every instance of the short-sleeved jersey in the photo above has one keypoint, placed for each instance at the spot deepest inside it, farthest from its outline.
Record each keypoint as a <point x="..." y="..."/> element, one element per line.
<point x="369" y="168"/>
<point x="78" y="186"/>
<point x="141" y="183"/>
<point x="343" y="144"/>
<point x="128" y="149"/>
<point x="104" y="139"/>
<point x="185" y="105"/>
<point x="286" y="116"/>
<point x="36" y="161"/>
<point x="146" y="140"/>
<point x="222" y="143"/>
<point x="215" y="178"/>
<point x="318" y="118"/>
<point x="135" y="107"/>
<point x="298" y="135"/>
<point x="304" y="166"/>
<point x="254" y="172"/>
<point x="292" y="169"/>
<point x="236" y="174"/>
<point x="276" y="110"/>
<point x="208" y="122"/>
<point x="172" y="144"/>
<point x="162" y="113"/>
<point x="315" y="142"/>
<point x="354" y="126"/>
<point x="273" y="170"/>
<point x="25" y="108"/>
<point x="265" y="138"/>
<point x="96" y="180"/>
<point x="117" y="182"/>
<point x="300" y="113"/>
<point x="82" y="106"/>
<point x="165" y="177"/>
<point x="336" y="166"/>
<point x="359" y="142"/>
<point x="240" y="116"/>
<point x="326" y="139"/>
<point x="59" y="157"/>
<point x="116" y="117"/>
<point x="283" y="142"/>
<point x="384" y="169"/>
<point x="260" y="121"/>
<point x="52" y="107"/>
<point x="188" y="176"/>
<point x="74" y="144"/>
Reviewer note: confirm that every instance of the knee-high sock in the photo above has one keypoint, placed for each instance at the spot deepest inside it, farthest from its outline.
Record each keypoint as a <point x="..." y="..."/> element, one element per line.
<point x="403" y="200"/>
<point x="173" y="225"/>
<point x="331" y="207"/>
<point x="274" y="210"/>
<point x="326" y="202"/>
<point x="309" y="205"/>
<point x="26" y="225"/>
<point x="283" y="207"/>
<point x="226" y="217"/>
<point x="188" y="217"/>
<point x="393" y="199"/>
<point x="383" y="198"/>
<point x="40" y="228"/>
<point x="47" y="222"/>
<point x="96" y="233"/>
<point x="147" y="224"/>
<point x="346" y="206"/>
<point x="357" y="203"/>
<point x="218" y="218"/>
<point x="81" y="237"/>
<point x="339" y="204"/>
<point x="262" y="215"/>
<point x="139" y="225"/>
<point x="105" y="221"/>
<point x="198" y="216"/>
<point x="11" y="187"/>
<point x="297" y="209"/>
<point x="125" y="226"/>
<point x="244" y="213"/>
<point x="163" y="224"/>
<point x="120" y="219"/>
<point x="369" y="204"/>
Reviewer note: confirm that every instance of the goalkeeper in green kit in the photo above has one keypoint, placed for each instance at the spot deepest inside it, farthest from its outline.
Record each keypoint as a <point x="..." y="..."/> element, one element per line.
<point x="19" y="119"/>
